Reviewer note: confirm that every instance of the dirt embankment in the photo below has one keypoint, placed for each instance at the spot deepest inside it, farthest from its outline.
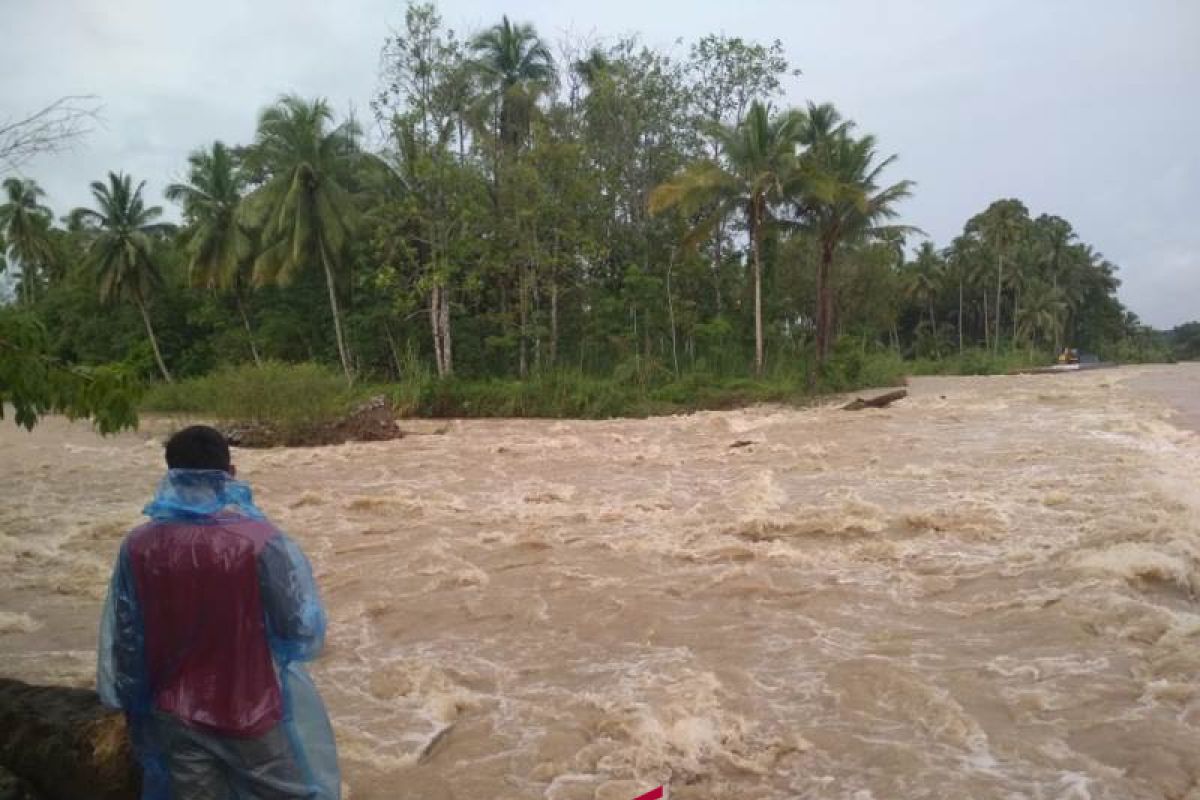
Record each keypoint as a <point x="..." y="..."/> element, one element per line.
<point x="373" y="421"/>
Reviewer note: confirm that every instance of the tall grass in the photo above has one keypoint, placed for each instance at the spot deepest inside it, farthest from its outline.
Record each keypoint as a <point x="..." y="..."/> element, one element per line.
<point x="294" y="397"/>
<point x="286" y="396"/>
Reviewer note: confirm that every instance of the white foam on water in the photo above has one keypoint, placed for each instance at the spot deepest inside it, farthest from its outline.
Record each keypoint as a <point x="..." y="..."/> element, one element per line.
<point x="990" y="595"/>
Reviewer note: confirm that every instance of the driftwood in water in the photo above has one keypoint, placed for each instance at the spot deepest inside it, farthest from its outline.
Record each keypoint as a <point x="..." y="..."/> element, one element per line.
<point x="64" y="744"/>
<point x="882" y="401"/>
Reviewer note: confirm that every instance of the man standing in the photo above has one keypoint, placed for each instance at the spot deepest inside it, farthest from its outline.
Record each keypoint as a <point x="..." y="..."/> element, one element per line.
<point x="210" y="613"/>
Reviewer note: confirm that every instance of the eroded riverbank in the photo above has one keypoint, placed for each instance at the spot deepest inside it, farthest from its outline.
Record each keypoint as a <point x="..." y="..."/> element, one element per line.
<point x="987" y="591"/>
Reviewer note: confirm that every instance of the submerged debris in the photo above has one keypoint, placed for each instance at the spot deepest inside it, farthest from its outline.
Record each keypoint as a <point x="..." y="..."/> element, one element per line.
<point x="372" y="421"/>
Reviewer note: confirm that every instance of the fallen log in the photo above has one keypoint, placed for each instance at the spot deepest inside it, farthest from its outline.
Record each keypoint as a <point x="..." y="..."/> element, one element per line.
<point x="64" y="744"/>
<point x="881" y="401"/>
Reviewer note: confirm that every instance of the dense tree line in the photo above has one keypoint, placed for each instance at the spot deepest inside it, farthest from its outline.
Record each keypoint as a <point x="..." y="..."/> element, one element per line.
<point x="520" y="207"/>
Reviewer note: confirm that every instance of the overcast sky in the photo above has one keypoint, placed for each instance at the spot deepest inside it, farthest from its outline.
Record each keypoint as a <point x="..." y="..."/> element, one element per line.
<point x="1089" y="109"/>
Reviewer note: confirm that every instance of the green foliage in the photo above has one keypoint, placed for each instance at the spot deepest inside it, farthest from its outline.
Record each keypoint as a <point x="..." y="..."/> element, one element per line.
<point x="1185" y="342"/>
<point x="980" y="361"/>
<point x="36" y="384"/>
<point x="497" y="254"/>
<point x="287" y="396"/>
<point x="25" y="230"/>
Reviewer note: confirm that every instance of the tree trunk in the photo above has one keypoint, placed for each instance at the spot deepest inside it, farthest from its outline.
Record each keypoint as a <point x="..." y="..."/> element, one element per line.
<point x="756" y="244"/>
<point x="337" y="315"/>
<point x="960" y="316"/>
<point x="824" y="303"/>
<point x="671" y="314"/>
<point x="435" y="328"/>
<point x="153" y="341"/>
<point x="937" y="348"/>
<point x="554" y="318"/>
<point x="524" y="309"/>
<point x="237" y="298"/>
<point x="447" y="338"/>
<point x="986" y="321"/>
<point x="395" y="351"/>
<point x="999" y="286"/>
<point x="716" y="263"/>
<point x="1015" y="311"/>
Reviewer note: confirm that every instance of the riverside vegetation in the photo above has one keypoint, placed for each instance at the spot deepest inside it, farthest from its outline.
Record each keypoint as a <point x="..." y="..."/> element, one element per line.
<point x="572" y="228"/>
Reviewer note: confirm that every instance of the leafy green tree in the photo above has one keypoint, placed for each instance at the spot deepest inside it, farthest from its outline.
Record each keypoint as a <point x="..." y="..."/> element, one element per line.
<point x="25" y="225"/>
<point x="1041" y="315"/>
<point x="34" y="383"/>
<point x="514" y="68"/>
<point x="924" y="284"/>
<point x="760" y="158"/>
<point x="1002" y="226"/>
<point x="1185" y="341"/>
<point x="960" y="258"/>
<point x="303" y="210"/>
<point x="121" y="250"/>
<point x="726" y="74"/>
<point x="839" y="199"/>
<point x="218" y="247"/>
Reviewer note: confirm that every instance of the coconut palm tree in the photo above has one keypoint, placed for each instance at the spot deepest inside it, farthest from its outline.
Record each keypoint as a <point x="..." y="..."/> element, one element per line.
<point x="1041" y="316"/>
<point x="218" y="247"/>
<point x="1001" y="226"/>
<point x="839" y="200"/>
<point x="961" y="258"/>
<point x="25" y="223"/>
<point x="121" y="248"/>
<point x="514" y="68"/>
<point x="1054" y="235"/>
<point x="303" y="210"/>
<point x="924" y="284"/>
<point x="759" y="161"/>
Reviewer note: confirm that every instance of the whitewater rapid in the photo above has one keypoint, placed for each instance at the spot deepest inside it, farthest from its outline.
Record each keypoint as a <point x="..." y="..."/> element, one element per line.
<point x="988" y="590"/>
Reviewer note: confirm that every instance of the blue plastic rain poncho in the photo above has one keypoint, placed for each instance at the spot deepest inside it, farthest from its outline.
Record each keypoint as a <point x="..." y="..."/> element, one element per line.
<point x="210" y="614"/>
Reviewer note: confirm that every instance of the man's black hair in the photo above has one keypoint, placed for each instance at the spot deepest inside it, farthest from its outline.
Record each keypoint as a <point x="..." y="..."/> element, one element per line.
<point x="198" y="447"/>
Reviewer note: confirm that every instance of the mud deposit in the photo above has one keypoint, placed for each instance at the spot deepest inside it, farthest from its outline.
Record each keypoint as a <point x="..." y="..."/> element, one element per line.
<point x="988" y="590"/>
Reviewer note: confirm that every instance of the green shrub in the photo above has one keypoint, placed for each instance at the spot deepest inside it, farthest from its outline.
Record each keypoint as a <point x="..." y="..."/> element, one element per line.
<point x="287" y="396"/>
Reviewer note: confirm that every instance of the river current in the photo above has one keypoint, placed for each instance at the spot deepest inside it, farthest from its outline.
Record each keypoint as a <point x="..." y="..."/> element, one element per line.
<point x="987" y="590"/>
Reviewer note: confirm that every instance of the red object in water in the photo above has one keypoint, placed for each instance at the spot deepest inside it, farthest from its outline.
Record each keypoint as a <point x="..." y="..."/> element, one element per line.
<point x="653" y="794"/>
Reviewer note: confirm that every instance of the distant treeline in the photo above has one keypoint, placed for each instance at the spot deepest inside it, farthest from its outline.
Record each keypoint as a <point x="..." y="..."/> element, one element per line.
<point x="605" y="208"/>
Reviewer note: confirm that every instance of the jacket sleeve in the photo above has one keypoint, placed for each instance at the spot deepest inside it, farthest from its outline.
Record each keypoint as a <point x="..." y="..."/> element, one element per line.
<point x="295" y="618"/>
<point x="121" y="675"/>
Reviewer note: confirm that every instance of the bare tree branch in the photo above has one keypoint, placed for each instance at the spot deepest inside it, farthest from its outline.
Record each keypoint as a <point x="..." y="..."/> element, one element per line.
<point x="51" y="129"/>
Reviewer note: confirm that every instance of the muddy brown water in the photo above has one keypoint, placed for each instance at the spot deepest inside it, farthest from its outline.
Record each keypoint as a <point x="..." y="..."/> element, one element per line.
<point x="988" y="590"/>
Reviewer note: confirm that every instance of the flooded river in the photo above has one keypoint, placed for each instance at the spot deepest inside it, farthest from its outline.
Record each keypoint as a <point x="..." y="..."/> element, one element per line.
<point x="988" y="590"/>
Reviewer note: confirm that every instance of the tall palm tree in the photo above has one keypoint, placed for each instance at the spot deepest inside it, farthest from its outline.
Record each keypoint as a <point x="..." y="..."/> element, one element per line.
<point x="121" y="249"/>
<point x="1041" y="317"/>
<point x="839" y="200"/>
<point x="304" y="212"/>
<point x="1001" y="226"/>
<point x="759" y="160"/>
<point x="960" y="258"/>
<point x="514" y="67"/>
<point x="925" y="283"/>
<point x="25" y="223"/>
<point x="1055" y="235"/>
<point x="218" y="247"/>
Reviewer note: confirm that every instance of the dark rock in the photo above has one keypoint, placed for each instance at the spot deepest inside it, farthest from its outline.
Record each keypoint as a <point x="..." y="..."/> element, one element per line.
<point x="63" y="745"/>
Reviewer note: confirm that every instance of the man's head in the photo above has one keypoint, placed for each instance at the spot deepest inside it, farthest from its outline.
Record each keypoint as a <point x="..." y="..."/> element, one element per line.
<point x="199" y="447"/>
